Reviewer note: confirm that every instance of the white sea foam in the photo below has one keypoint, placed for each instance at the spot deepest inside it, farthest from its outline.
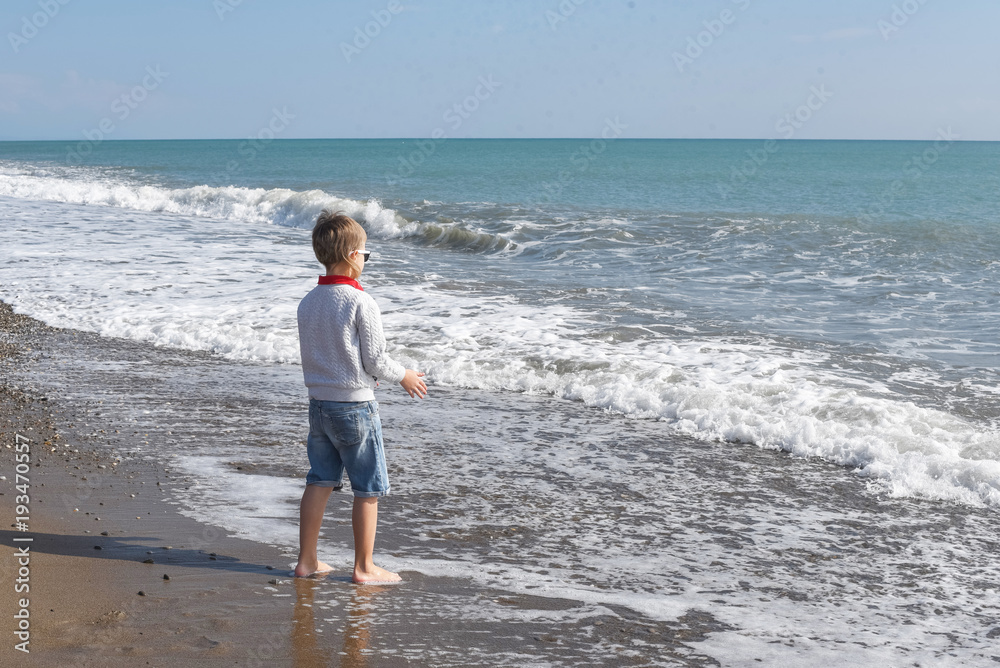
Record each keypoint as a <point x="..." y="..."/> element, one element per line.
<point x="735" y="391"/>
<point x="278" y="206"/>
<point x="231" y="289"/>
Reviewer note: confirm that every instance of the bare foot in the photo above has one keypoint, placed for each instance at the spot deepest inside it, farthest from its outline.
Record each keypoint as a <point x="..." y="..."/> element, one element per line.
<point x="304" y="570"/>
<point x="375" y="574"/>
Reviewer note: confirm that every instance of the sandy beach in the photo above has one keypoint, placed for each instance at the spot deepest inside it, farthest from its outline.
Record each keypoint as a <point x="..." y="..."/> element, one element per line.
<point x="118" y="577"/>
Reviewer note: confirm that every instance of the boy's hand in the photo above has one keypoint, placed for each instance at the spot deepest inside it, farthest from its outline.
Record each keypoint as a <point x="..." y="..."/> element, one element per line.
<point x="413" y="385"/>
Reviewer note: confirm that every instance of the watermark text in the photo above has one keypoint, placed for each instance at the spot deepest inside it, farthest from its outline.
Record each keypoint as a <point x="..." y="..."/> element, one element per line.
<point x="121" y="108"/>
<point x="900" y="16"/>
<point x="30" y="26"/>
<point x="454" y="116"/>
<point x="702" y="41"/>
<point x="363" y="37"/>
<point x="22" y="553"/>
<point x="583" y="158"/>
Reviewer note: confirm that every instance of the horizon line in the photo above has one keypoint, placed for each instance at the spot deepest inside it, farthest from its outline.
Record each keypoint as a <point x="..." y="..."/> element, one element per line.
<point x="441" y="139"/>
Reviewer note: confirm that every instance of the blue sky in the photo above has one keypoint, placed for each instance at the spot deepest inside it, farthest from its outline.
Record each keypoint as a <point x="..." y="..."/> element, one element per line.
<point x="228" y="68"/>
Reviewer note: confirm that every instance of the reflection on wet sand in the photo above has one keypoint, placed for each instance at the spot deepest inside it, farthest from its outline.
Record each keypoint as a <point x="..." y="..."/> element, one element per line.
<point x="307" y="651"/>
<point x="357" y="632"/>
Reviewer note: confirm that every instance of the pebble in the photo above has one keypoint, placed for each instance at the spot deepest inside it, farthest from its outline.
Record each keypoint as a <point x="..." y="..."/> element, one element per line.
<point x="142" y="593"/>
<point x="166" y="577"/>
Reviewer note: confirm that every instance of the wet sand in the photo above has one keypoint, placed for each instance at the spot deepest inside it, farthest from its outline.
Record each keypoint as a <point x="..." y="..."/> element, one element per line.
<point x="104" y="529"/>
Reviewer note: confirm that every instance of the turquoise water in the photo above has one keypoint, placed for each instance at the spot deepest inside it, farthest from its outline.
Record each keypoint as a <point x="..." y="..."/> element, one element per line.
<point x="953" y="183"/>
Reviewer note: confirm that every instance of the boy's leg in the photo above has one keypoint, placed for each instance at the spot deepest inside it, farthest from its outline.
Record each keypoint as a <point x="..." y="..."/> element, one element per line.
<point x="325" y="472"/>
<point x="366" y="467"/>
<point x="364" y="520"/>
<point x="311" y="511"/>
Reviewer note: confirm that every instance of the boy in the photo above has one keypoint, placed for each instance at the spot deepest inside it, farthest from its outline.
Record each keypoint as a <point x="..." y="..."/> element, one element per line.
<point x="343" y="354"/>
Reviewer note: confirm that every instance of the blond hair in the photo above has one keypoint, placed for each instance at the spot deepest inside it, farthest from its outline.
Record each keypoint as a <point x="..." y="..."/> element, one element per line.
<point x="335" y="236"/>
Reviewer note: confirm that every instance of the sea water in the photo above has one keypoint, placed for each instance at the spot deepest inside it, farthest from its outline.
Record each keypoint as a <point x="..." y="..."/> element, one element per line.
<point x="833" y="300"/>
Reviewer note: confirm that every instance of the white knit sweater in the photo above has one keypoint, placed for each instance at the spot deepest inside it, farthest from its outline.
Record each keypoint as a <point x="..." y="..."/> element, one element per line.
<point x="342" y="344"/>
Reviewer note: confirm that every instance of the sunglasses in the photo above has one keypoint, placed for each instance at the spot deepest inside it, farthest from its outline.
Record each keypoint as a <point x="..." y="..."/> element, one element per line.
<point x="364" y="253"/>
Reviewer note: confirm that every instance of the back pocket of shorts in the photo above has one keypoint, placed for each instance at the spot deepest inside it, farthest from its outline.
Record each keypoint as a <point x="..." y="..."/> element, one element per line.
<point x="345" y="428"/>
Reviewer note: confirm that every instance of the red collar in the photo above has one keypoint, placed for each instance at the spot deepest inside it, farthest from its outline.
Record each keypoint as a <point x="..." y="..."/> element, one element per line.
<point x="337" y="280"/>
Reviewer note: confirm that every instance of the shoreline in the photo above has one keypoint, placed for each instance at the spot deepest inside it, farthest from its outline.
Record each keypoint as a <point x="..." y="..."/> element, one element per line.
<point x="230" y="600"/>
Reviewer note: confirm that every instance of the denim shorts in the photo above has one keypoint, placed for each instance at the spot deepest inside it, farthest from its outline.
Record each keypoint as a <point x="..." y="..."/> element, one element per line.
<point x="347" y="436"/>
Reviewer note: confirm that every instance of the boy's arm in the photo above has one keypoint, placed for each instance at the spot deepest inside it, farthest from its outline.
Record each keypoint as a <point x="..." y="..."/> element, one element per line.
<point x="374" y="357"/>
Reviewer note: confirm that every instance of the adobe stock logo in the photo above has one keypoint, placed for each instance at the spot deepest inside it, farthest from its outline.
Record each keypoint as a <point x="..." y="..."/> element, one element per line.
<point x="455" y="116"/>
<point x="582" y="159"/>
<point x="794" y="121"/>
<point x="254" y="144"/>
<point x="566" y="9"/>
<point x="787" y="126"/>
<point x="363" y="38"/>
<point x="38" y="20"/>
<point x="223" y="7"/>
<point x="714" y="29"/>
<point x="122" y="107"/>
<point x="913" y="170"/>
<point x="901" y="15"/>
